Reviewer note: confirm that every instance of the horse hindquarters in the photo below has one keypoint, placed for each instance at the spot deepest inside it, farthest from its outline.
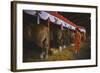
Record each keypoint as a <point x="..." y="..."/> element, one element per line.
<point x="37" y="34"/>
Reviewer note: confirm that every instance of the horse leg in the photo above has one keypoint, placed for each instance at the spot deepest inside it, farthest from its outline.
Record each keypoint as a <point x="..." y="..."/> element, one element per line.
<point x="44" y="45"/>
<point x="45" y="42"/>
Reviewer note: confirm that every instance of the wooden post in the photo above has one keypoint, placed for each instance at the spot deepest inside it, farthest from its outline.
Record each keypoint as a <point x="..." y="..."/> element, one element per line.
<point x="69" y="37"/>
<point x="49" y="33"/>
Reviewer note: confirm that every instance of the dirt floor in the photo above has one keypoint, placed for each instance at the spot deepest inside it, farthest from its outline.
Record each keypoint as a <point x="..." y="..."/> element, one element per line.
<point x="66" y="54"/>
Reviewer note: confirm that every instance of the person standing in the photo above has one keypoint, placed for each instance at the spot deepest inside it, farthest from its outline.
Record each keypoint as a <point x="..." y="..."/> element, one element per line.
<point x="77" y="40"/>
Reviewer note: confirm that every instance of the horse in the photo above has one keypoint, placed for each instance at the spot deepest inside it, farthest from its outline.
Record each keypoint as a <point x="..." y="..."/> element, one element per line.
<point x="56" y="37"/>
<point x="38" y="34"/>
<point x="65" y="38"/>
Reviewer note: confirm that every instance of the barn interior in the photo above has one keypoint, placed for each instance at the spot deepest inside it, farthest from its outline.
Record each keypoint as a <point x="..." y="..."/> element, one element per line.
<point x="31" y="51"/>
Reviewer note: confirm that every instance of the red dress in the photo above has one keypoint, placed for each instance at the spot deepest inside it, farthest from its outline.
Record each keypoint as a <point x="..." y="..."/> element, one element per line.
<point x="77" y="41"/>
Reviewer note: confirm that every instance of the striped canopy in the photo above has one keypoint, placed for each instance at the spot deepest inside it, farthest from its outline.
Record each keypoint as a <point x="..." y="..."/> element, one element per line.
<point x="55" y="18"/>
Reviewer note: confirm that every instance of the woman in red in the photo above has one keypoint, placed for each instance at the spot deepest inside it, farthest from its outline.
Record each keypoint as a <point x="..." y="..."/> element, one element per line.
<point x="77" y="41"/>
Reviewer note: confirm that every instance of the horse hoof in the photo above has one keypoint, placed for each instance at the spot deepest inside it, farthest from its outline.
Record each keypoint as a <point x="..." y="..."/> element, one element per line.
<point x="41" y="57"/>
<point x="60" y="49"/>
<point x="46" y="57"/>
<point x="64" y="46"/>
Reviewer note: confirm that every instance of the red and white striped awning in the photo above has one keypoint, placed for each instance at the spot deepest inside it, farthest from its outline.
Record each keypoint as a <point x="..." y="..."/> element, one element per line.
<point x="56" y="19"/>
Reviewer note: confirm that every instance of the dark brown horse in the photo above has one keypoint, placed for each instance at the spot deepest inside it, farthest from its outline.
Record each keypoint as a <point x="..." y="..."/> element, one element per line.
<point x="65" y="38"/>
<point x="56" y="37"/>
